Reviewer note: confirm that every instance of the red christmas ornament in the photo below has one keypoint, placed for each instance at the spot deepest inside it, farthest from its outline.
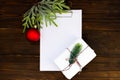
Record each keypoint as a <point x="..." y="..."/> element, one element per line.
<point x="33" y="35"/>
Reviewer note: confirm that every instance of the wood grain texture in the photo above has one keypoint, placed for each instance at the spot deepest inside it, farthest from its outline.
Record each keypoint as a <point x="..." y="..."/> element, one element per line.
<point x="19" y="58"/>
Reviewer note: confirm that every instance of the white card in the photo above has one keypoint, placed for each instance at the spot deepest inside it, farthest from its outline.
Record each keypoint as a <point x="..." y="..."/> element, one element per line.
<point x="55" y="39"/>
<point x="86" y="55"/>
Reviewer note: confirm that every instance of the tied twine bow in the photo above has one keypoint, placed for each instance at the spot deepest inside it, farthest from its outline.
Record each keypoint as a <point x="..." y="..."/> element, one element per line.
<point x="73" y="56"/>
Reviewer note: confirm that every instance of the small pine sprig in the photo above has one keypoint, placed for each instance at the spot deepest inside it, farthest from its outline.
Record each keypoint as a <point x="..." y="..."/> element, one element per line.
<point x="75" y="52"/>
<point x="43" y="11"/>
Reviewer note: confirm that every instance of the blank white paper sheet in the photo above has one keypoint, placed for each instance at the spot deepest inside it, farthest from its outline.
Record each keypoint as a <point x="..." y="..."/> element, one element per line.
<point x="54" y="40"/>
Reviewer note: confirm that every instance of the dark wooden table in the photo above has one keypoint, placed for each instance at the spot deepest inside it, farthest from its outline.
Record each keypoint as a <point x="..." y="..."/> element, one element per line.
<point x="19" y="58"/>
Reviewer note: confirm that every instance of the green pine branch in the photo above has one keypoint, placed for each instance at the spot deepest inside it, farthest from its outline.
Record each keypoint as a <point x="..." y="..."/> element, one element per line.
<point x="43" y="12"/>
<point x="75" y="52"/>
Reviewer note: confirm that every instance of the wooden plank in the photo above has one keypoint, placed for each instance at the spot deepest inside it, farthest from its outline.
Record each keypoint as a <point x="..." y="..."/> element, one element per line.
<point x="31" y="63"/>
<point x="106" y="41"/>
<point x="103" y="40"/>
<point x="14" y="42"/>
<point x="100" y="15"/>
<point x="7" y="74"/>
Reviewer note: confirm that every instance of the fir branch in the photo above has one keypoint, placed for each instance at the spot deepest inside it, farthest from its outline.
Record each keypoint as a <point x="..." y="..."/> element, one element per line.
<point x="75" y="52"/>
<point x="43" y="12"/>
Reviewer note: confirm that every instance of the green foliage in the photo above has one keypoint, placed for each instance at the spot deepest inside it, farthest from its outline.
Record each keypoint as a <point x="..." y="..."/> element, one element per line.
<point x="44" y="11"/>
<point x="75" y="52"/>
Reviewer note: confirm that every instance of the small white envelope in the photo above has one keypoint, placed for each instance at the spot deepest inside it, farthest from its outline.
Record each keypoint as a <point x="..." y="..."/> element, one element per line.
<point x="55" y="39"/>
<point x="86" y="55"/>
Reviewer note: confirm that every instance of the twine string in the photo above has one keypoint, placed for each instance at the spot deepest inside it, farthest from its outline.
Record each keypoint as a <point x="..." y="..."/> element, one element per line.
<point x="69" y="66"/>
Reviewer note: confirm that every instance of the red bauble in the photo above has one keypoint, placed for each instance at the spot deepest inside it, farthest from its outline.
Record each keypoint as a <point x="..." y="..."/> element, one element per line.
<point x="33" y="34"/>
